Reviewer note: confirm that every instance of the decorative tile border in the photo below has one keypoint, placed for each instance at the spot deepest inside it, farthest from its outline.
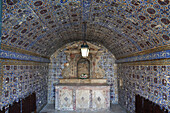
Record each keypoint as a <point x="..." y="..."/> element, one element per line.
<point x="18" y="50"/>
<point x="150" y="62"/>
<point x="153" y="50"/>
<point x="18" y="56"/>
<point x="18" y="62"/>
<point x="151" y="56"/>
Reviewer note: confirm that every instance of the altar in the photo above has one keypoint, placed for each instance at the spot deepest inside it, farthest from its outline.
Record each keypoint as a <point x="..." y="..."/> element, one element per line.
<point x="83" y="86"/>
<point x="72" y="96"/>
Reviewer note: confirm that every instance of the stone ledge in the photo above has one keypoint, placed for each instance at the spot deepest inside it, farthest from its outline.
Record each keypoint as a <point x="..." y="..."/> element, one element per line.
<point x="78" y="81"/>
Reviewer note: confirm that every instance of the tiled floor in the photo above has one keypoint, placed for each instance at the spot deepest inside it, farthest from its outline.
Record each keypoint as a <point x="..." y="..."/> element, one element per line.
<point x="114" y="109"/>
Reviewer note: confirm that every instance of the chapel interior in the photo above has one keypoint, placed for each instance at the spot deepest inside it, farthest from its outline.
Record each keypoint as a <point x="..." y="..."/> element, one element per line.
<point x="126" y="63"/>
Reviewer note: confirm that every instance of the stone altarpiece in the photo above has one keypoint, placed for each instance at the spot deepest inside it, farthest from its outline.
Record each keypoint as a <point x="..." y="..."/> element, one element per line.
<point x="73" y="56"/>
<point x="73" y="93"/>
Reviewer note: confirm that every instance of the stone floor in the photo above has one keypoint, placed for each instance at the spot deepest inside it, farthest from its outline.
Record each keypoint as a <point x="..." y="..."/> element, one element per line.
<point x="49" y="108"/>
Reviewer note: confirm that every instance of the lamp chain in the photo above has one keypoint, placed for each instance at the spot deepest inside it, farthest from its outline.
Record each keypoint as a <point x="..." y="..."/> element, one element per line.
<point x="84" y="32"/>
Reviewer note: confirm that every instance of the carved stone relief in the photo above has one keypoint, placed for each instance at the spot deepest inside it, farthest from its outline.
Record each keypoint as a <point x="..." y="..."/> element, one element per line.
<point x="66" y="99"/>
<point x="82" y="99"/>
<point x="98" y="99"/>
<point x="73" y="68"/>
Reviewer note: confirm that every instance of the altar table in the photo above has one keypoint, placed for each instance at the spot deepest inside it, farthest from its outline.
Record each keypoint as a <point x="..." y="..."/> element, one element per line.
<point x="78" y="97"/>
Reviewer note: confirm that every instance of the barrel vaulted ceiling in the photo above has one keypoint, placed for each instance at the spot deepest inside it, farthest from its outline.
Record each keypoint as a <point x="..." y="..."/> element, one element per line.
<point x="123" y="26"/>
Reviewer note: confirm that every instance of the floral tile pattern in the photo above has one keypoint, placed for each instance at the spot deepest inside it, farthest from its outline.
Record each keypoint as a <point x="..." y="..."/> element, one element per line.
<point x="23" y="78"/>
<point x="123" y="26"/>
<point x="149" y="81"/>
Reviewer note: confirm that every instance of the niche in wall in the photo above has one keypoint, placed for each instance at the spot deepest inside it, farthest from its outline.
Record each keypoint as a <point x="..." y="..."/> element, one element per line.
<point x="83" y="67"/>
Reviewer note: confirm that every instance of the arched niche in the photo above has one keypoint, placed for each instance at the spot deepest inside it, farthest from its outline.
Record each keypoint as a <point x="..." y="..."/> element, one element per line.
<point x="83" y="67"/>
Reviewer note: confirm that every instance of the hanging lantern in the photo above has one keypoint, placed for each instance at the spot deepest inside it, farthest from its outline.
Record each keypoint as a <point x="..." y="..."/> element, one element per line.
<point x="84" y="46"/>
<point x="84" y="50"/>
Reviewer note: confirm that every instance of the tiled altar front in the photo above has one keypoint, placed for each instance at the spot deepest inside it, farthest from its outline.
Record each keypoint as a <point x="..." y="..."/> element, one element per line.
<point x="71" y="97"/>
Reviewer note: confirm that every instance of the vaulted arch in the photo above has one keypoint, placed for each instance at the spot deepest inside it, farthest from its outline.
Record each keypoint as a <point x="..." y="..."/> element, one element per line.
<point x="43" y="26"/>
<point x="136" y="32"/>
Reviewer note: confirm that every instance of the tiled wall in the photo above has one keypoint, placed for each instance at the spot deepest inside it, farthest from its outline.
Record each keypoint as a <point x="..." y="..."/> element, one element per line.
<point x="55" y="70"/>
<point x="107" y="63"/>
<point x="151" y="81"/>
<point x="21" y="78"/>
